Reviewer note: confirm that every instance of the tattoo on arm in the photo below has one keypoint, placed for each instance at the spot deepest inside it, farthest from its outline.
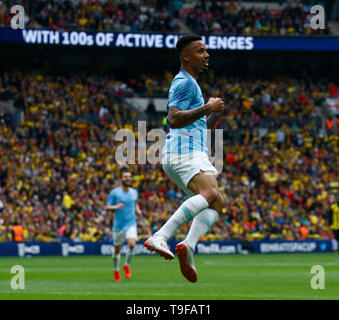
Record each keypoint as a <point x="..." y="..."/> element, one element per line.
<point x="181" y="118"/>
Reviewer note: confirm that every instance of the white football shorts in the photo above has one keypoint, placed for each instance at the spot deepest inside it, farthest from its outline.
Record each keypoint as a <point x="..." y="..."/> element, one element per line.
<point x="120" y="236"/>
<point x="181" y="168"/>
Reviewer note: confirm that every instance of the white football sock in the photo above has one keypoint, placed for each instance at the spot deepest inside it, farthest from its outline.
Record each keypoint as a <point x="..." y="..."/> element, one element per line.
<point x="116" y="261"/>
<point x="129" y="256"/>
<point x="186" y="212"/>
<point x="200" y="225"/>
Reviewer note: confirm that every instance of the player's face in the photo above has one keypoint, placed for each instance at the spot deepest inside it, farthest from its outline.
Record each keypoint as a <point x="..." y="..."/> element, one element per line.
<point x="126" y="179"/>
<point x="199" y="58"/>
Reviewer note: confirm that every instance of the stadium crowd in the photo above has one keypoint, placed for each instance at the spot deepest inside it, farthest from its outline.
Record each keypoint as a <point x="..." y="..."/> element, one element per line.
<point x="206" y="17"/>
<point x="280" y="173"/>
<point x="95" y="15"/>
<point x="233" y="18"/>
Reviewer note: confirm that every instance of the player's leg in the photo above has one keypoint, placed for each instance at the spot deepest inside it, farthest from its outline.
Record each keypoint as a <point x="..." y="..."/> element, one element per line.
<point x="197" y="178"/>
<point x="179" y="172"/>
<point x="206" y="184"/>
<point x="118" y="239"/>
<point x="201" y="197"/>
<point x="185" y="213"/>
<point x="188" y="209"/>
<point x="131" y="237"/>
<point x="201" y="182"/>
<point x="201" y="223"/>
<point x="116" y="263"/>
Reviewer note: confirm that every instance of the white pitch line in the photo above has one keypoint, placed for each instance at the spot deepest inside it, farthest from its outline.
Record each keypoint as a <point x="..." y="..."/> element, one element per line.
<point x="271" y="264"/>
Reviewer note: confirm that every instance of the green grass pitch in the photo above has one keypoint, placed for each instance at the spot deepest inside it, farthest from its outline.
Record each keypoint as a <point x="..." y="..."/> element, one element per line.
<point x="220" y="277"/>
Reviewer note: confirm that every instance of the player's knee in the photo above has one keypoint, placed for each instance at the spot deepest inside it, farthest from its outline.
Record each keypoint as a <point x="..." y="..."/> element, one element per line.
<point x="131" y="243"/>
<point x="211" y="195"/>
<point x="219" y="204"/>
<point x="117" y="249"/>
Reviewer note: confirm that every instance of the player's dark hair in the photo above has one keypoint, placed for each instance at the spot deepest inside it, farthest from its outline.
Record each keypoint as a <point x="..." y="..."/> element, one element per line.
<point x="122" y="171"/>
<point x="185" y="40"/>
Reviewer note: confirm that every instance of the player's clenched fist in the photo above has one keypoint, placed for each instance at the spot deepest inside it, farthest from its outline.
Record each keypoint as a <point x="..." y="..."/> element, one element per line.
<point x="216" y="104"/>
<point x="120" y="206"/>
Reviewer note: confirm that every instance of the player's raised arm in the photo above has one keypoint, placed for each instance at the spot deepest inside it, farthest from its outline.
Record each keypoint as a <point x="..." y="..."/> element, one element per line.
<point x="178" y="118"/>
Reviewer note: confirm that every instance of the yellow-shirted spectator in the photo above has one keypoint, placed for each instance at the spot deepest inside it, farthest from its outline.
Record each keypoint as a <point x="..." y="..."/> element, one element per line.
<point x="67" y="201"/>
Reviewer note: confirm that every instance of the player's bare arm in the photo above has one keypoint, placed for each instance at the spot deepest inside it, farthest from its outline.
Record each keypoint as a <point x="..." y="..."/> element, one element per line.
<point x="118" y="206"/>
<point x="137" y="209"/>
<point x="178" y="118"/>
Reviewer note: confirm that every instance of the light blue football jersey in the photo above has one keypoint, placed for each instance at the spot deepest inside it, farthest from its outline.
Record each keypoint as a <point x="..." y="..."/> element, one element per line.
<point x="185" y="94"/>
<point x="123" y="218"/>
